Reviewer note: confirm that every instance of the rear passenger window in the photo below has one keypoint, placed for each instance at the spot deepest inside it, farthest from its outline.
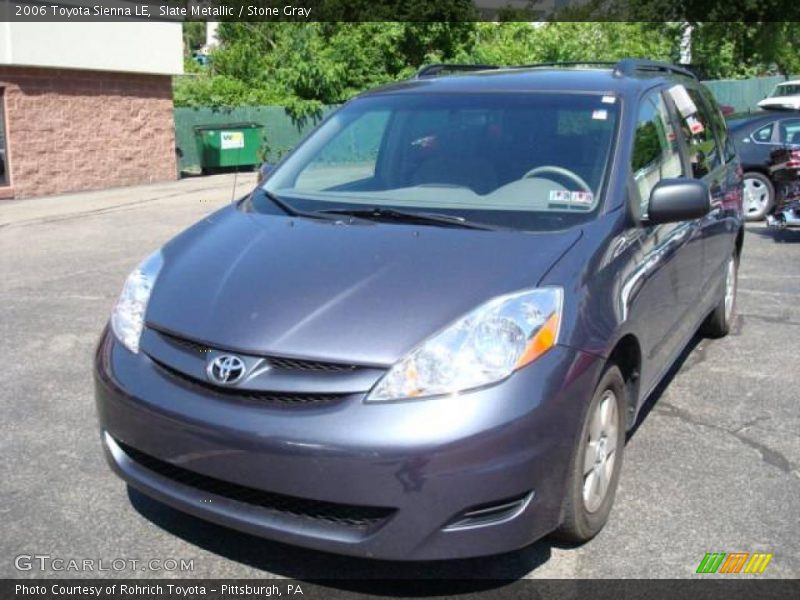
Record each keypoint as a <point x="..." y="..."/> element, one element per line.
<point x="763" y="135"/>
<point x="718" y="123"/>
<point x="655" y="148"/>
<point x="698" y="130"/>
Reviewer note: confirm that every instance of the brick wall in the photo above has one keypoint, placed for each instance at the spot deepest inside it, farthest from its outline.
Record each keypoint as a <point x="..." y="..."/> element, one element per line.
<point x="71" y="130"/>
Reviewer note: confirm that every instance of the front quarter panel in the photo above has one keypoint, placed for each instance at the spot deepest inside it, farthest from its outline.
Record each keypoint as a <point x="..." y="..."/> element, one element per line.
<point x="593" y="274"/>
<point x="615" y="285"/>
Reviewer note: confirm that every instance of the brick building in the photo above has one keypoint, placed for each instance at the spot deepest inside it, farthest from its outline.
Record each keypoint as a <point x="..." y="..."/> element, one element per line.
<point x="86" y="105"/>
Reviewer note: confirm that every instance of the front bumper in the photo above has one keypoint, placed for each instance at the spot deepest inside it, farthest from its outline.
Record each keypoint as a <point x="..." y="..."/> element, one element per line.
<point x="416" y="466"/>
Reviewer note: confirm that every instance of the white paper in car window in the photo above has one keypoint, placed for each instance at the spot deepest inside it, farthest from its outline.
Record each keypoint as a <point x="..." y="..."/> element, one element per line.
<point x="682" y="100"/>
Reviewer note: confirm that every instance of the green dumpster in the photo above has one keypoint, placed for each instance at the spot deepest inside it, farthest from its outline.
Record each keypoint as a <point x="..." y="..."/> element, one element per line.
<point x="228" y="145"/>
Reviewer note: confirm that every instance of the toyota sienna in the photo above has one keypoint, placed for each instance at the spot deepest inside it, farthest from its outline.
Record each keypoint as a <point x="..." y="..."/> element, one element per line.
<point x="426" y="333"/>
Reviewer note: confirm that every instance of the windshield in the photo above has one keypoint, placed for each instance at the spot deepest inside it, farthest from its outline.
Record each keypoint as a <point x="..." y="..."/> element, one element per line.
<point x="789" y="89"/>
<point x="531" y="161"/>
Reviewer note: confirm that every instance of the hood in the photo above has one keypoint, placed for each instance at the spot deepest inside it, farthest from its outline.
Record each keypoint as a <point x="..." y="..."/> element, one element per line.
<point x="363" y="293"/>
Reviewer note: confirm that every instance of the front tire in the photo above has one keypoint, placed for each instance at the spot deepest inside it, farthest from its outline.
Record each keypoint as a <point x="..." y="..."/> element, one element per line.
<point x="597" y="461"/>
<point x="719" y="322"/>
<point x="759" y="196"/>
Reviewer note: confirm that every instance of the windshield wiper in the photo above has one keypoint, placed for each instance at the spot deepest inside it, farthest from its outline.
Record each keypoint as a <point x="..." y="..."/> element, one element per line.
<point x="291" y="210"/>
<point x="400" y="216"/>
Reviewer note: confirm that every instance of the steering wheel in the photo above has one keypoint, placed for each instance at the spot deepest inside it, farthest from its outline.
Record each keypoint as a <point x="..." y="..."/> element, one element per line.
<point x="560" y="171"/>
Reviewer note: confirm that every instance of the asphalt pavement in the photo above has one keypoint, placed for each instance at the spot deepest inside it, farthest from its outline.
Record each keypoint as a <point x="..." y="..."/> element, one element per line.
<point x="714" y="465"/>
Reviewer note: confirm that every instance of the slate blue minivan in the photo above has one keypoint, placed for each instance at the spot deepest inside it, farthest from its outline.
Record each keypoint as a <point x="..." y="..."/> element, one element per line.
<point x="426" y="333"/>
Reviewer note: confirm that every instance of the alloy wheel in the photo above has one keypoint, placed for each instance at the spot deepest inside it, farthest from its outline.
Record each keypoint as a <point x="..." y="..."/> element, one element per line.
<point x="756" y="197"/>
<point x="601" y="451"/>
<point x="730" y="289"/>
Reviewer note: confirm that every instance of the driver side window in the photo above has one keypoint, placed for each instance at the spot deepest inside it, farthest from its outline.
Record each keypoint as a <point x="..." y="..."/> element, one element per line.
<point x="655" y="153"/>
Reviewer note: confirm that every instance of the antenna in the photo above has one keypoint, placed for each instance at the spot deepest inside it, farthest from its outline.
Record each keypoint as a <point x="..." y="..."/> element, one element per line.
<point x="236" y="171"/>
<point x="235" y="177"/>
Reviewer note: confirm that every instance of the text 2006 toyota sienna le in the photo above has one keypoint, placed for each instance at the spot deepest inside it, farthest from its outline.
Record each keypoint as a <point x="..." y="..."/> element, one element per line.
<point x="426" y="333"/>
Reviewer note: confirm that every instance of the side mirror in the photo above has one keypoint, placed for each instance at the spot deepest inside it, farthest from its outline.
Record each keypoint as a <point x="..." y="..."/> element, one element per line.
<point x="679" y="199"/>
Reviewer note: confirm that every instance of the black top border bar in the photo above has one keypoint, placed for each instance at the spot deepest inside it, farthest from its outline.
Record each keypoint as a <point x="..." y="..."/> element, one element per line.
<point x="402" y="10"/>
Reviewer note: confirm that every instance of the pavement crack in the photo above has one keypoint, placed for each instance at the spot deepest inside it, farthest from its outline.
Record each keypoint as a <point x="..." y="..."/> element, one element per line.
<point x="768" y="455"/>
<point x="749" y="424"/>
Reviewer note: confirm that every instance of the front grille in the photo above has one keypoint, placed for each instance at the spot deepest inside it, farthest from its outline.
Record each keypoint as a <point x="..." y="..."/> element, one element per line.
<point x="256" y="396"/>
<point x="346" y="515"/>
<point x="296" y="364"/>
<point x="278" y="362"/>
<point x="183" y="342"/>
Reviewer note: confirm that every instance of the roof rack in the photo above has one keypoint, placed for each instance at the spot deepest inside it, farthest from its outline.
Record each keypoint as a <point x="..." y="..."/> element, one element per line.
<point x="628" y="66"/>
<point x="438" y="68"/>
<point x="569" y="63"/>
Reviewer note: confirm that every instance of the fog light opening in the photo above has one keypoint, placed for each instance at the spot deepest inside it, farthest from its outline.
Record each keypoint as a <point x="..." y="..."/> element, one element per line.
<point x="491" y="514"/>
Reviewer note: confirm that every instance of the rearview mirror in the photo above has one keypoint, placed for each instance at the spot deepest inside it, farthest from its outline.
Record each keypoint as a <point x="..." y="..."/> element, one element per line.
<point x="678" y="200"/>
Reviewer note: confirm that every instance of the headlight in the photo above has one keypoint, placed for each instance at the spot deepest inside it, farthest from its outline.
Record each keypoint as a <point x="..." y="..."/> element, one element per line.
<point x="482" y="347"/>
<point x="127" y="320"/>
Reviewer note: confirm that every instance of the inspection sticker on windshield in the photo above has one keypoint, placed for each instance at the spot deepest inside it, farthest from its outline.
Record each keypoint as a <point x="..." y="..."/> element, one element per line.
<point x="581" y="198"/>
<point x="609" y="99"/>
<point x="559" y="196"/>
<point x="600" y="114"/>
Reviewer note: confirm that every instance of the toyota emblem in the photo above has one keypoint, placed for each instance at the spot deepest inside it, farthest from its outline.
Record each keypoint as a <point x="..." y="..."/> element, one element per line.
<point x="226" y="369"/>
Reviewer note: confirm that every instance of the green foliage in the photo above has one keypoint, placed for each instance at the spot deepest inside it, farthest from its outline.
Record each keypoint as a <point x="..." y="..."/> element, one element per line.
<point x="222" y="90"/>
<point x="739" y="50"/>
<point x="525" y="43"/>
<point x="306" y="66"/>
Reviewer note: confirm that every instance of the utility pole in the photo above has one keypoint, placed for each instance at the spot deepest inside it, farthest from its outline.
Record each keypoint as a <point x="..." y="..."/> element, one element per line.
<point x="212" y="41"/>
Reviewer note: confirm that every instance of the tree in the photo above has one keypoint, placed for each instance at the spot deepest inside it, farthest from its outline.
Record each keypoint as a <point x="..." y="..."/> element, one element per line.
<point x="525" y="43"/>
<point x="737" y="49"/>
<point x="306" y="66"/>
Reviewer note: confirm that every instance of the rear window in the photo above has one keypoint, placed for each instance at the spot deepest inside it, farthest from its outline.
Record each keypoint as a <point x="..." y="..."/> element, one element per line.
<point x="524" y="160"/>
<point x="789" y="89"/>
<point x="763" y="135"/>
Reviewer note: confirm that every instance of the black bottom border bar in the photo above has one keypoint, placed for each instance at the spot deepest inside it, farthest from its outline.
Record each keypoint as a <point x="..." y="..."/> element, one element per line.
<point x="718" y="588"/>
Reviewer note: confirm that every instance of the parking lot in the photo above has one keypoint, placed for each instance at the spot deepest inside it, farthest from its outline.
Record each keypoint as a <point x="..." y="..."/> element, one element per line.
<point x="714" y="465"/>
